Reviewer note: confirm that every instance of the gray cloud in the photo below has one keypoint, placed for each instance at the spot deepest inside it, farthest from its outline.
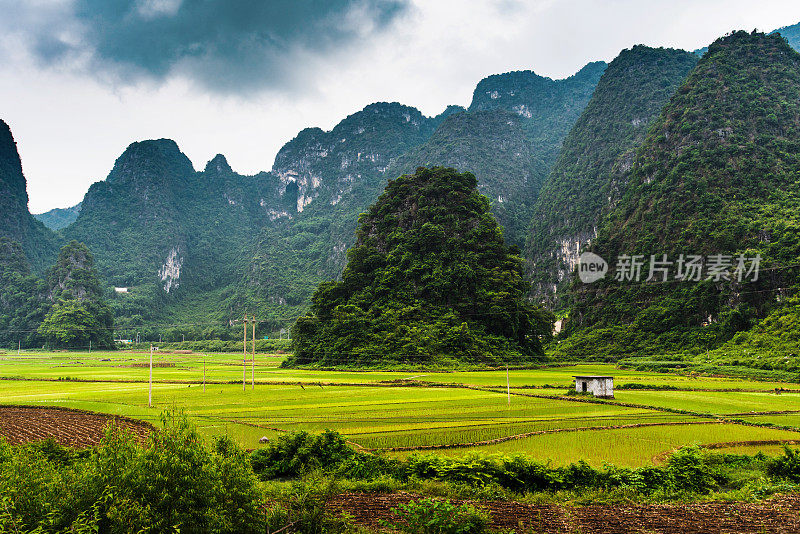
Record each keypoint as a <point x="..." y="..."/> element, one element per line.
<point x="227" y="46"/>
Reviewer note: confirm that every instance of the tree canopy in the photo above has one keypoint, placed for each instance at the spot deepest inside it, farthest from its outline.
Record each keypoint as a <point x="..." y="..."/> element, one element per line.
<point x="80" y="314"/>
<point x="429" y="281"/>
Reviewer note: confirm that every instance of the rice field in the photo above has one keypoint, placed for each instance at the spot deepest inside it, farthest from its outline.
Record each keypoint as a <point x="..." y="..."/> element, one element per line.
<point x="632" y="447"/>
<point x="430" y="412"/>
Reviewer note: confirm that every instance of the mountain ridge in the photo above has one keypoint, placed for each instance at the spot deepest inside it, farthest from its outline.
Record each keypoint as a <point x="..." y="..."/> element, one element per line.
<point x="590" y="171"/>
<point x="16" y="222"/>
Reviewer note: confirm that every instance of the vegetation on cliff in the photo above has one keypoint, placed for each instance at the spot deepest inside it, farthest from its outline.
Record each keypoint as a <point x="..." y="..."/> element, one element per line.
<point x="717" y="175"/>
<point x="590" y="171"/>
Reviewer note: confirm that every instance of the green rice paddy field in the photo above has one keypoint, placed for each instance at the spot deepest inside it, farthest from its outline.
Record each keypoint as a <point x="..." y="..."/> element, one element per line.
<point x="404" y="412"/>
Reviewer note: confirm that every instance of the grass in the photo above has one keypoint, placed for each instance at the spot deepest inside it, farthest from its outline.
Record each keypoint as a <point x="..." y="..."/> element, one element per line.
<point x="376" y="413"/>
<point x="629" y="447"/>
<point x="713" y="402"/>
<point x="228" y="368"/>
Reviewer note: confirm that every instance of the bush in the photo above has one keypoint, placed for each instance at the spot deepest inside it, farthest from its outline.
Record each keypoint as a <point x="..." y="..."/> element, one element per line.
<point x="294" y="454"/>
<point x="786" y="466"/>
<point x="693" y="470"/>
<point x="173" y="482"/>
<point x="431" y="516"/>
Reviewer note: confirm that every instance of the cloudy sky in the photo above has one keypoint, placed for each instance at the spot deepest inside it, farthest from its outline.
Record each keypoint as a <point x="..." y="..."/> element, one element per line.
<point x="82" y="79"/>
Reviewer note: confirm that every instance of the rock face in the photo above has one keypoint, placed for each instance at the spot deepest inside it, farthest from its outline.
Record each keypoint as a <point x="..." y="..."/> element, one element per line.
<point x="333" y="176"/>
<point x="591" y="169"/>
<point x="16" y="222"/>
<point x="360" y="148"/>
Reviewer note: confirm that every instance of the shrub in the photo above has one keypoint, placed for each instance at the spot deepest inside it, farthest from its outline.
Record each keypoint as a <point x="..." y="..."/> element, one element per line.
<point x="294" y="454"/>
<point x="175" y="482"/>
<point x="786" y="466"/>
<point x="431" y="516"/>
<point x="691" y="469"/>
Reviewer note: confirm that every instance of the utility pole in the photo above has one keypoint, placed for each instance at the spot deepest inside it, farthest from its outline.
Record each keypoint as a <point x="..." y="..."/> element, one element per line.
<point x="19" y="347"/>
<point x="204" y="373"/>
<point x="90" y="346"/>
<point x="244" y="356"/>
<point x="253" y="386"/>
<point x="508" y="387"/>
<point x="150" y="391"/>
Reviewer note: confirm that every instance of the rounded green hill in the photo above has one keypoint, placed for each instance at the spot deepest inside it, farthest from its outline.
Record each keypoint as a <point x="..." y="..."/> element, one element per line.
<point x="429" y="282"/>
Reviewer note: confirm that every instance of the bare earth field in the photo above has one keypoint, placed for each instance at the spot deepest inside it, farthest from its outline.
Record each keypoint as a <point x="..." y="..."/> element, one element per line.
<point x="776" y="515"/>
<point x="68" y="427"/>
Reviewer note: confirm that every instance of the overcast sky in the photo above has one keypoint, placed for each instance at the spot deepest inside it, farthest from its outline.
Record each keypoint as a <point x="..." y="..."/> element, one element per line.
<point x="82" y="79"/>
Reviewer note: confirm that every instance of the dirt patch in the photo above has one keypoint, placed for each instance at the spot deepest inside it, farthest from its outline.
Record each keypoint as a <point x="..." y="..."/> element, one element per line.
<point x="69" y="427"/>
<point x="778" y="514"/>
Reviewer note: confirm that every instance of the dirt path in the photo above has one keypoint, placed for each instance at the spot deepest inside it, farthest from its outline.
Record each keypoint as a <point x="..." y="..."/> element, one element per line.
<point x="69" y="427"/>
<point x="779" y="514"/>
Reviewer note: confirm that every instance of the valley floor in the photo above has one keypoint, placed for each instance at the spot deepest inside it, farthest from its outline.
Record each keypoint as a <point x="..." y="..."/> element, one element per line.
<point x="400" y="413"/>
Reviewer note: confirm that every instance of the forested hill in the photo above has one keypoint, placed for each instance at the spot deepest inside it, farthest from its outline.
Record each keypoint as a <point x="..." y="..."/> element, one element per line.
<point x="59" y="218"/>
<point x="171" y="234"/>
<point x="790" y="33"/>
<point x="336" y="175"/>
<point x="590" y="171"/>
<point x="340" y="173"/>
<point x="548" y="107"/>
<point x="429" y="281"/>
<point x="716" y="175"/>
<point x="16" y="222"/>
<point x="492" y="145"/>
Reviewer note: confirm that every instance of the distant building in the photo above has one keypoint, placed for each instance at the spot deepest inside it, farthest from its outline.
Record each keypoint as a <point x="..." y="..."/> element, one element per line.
<point x="121" y="289"/>
<point x="599" y="386"/>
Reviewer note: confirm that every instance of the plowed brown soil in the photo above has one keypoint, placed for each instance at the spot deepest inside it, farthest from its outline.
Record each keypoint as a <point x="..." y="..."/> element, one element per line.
<point x="73" y="428"/>
<point x="779" y="514"/>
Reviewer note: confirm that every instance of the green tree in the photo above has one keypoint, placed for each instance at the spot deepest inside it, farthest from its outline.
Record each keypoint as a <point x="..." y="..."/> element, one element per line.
<point x="74" y="323"/>
<point x="23" y="298"/>
<point x="79" y="314"/>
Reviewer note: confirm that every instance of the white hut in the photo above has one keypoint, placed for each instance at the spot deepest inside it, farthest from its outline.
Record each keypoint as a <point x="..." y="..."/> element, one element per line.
<point x="599" y="386"/>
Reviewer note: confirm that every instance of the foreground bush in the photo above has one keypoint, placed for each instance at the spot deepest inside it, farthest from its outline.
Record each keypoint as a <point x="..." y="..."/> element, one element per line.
<point x="295" y="454"/>
<point x="786" y="466"/>
<point x="173" y="483"/>
<point x="431" y="516"/>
